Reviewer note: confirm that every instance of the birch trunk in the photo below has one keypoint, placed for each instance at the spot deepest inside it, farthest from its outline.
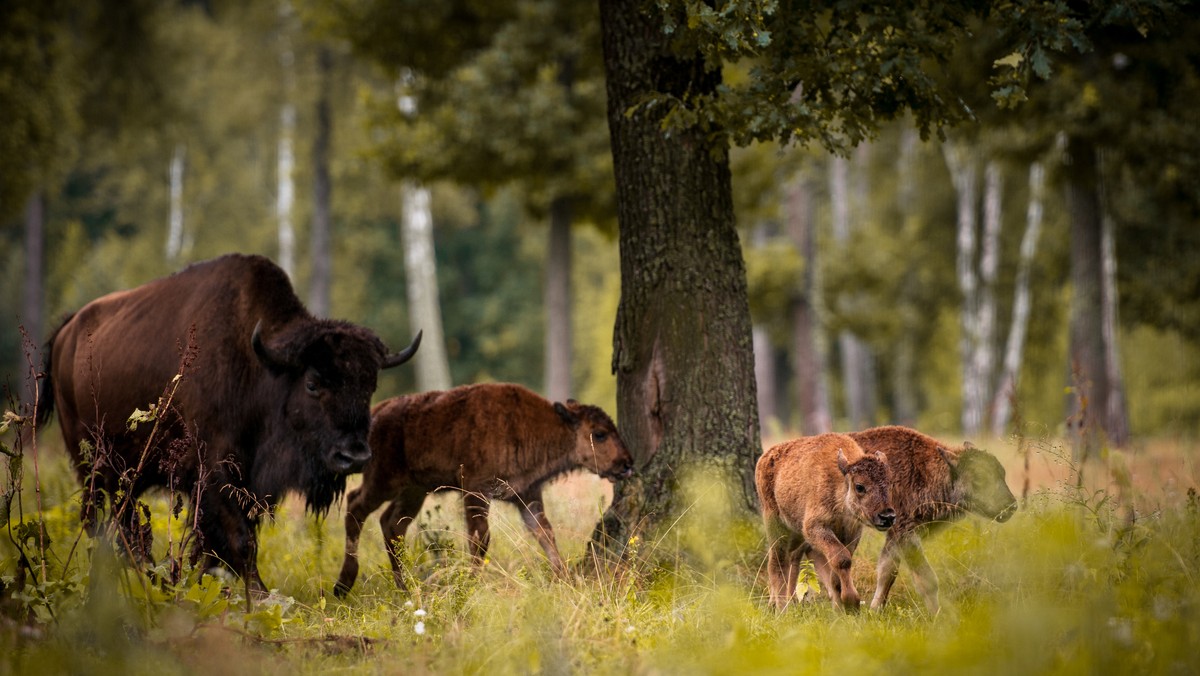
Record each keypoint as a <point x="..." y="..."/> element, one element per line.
<point x="1116" y="421"/>
<point x="1015" y="344"/>
<point x="420" y="270"/>
<point x="558" y="302"/>
<point x="983" y="358"/>
<point x="285" y="195"/>
<point x="175" y="220"/>
<point x="904" y="360"/>
<point x="857" y="370"/>
<point x="964" y="172"/>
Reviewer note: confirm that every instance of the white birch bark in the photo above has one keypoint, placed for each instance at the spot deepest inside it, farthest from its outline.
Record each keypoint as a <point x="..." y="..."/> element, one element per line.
<point x="285" y="194"/>
<point x="964" y="172"/>
<point x="558" y="302"/>
<point x="175" y="220"/>
<point x="420" y="269"/>
<point x="808" y="353"/>
<point x="983" y="357"/>
<point x="855" y="357"/>
<point x="1015" y="344"/>
<point x="1116" y="417"/>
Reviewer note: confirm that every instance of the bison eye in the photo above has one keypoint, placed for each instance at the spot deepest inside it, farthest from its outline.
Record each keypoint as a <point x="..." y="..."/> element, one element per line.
<point x="310" y="386"/>
<point x="860" y="489"/>
<point x="599" y="436"/>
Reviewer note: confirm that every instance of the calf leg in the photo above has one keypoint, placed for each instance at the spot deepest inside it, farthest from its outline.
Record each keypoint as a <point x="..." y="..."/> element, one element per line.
<point x="360" y="502"/>
<point x="534" y="516"/>
<point x="394" y="522"/>
<point x="887" y="570"/>
<point x="475" y="507"/>
<point x="839" y="559"/>
<point x="783" y="568"/>
<point x="924" y="578"/>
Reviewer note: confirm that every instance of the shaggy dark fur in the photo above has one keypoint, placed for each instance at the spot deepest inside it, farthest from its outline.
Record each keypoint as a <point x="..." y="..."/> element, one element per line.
<point x="246" y="424"/>
<point x="491" y="440"/>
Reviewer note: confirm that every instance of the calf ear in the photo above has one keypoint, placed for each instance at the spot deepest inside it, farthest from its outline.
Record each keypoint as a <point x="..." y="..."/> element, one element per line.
<point x="843" y="465"/>
<point x="950" y="459"/>
<point x="967" y="444"/>
<point x="880" y="456"/>
<point x="566" y="414"/>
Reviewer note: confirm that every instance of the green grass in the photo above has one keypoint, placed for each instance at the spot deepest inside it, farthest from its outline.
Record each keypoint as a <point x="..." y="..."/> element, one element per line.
<point x="1067" y="586"/>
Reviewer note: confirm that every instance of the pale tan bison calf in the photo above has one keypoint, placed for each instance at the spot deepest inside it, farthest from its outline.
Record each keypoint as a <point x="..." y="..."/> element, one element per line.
<point x="932" y="485"/>
<point x="816" y="494"/>
<point x="489" y="441"/>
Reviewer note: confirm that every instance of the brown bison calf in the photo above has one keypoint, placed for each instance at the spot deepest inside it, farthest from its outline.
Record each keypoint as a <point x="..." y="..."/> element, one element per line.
<point x="490" y="440"/>
<point x="816" y="494"/>
<point x="932" y="485"/>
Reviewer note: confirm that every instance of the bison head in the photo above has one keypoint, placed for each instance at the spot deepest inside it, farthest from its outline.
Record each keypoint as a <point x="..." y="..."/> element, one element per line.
<point x="598" y="446"/>
<point x="867" y="496"/>
<point x="979" y="477"/>
<point x="330" y="369"/>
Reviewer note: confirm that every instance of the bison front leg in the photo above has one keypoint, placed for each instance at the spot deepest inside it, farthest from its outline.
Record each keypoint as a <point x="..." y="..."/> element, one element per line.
<point x="228" y="536"/>
<point x="534" y="515"/>
<point x="394" y="522"/>
<point x="475" y="507"/>
<point x="839" y="558"/>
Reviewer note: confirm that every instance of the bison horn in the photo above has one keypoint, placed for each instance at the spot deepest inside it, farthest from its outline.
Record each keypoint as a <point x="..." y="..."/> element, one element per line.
<point x="398" y="358"/>
<point x="272" y="361"/>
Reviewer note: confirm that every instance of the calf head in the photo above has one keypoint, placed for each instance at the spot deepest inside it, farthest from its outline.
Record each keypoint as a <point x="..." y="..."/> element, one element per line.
<point x="979" y="477"/>
<point x="598" y="446"/>
<point x="867" y="496"/>
<point x="330" y="370"/>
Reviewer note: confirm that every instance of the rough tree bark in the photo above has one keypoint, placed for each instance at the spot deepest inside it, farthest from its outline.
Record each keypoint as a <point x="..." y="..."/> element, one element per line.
<point x="808" y="359"/>
<point x="321" y="253"/>
<point x="1088" y="400"/>
<point x="682" y="342"/>
<point x="1015" y="345"/>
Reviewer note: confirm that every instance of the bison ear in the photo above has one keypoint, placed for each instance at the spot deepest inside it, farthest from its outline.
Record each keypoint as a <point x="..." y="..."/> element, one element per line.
<point x="950" y="459"/>
<point x="271" y="359"/>
<point x="843" y="464"/>
<point x="880" y="457"/>
<point x="967" y="444"/>
<point x="566" y="414"/>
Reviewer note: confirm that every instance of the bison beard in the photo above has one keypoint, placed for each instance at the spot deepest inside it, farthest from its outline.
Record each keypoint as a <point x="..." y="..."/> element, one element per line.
<point x="276" y="401"/>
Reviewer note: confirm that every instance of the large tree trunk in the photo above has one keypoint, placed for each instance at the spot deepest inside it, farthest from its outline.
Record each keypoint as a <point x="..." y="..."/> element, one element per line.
<point x="808" y="360"/>
<point x="1002" y="406"/>
<point x="320" y="282"/>
<point x="682" y="342"/>
<point x="420" y="272"/>
<point x="31" y="301"/>
<point x="558" y="302"/>
<point x="1088" y="400"/>
<point x="983" y="360"/>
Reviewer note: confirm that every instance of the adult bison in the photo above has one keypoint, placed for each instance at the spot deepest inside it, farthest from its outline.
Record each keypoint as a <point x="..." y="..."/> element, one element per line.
<point x="932" y="485"/>
<point x="489" y="440"/>
<point x="816" y="494"/>
<point x="274" y="400"/>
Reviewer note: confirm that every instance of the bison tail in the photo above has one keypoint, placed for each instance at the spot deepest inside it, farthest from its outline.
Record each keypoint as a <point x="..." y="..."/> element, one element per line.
<point x="45" y="384"/>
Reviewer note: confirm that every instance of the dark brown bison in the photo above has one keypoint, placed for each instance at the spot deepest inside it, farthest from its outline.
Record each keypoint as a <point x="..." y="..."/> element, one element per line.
<point x="816" y="494"/>
<point x="932" y="485"/>
<point x="489" y="441"/>
<point x="275" y="401"/>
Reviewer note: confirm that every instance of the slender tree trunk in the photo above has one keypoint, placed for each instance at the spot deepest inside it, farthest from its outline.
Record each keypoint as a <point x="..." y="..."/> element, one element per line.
<point x="321" y="253"/>
<point x="1116" y="420"/>
<point x="984" y="358"/>
<point x="683" y="351"/>
<point x="285" y="194"/>
<point x="420" y="271"/>
<point x="175" y="220"/>
<point x="904" y="359"/>
<point x="558" y="302"/>
<point x="1088" y="403"/>
<point x="1015" y="345"/>
<point x="857" y="370"/>
<point x="31" y="301"/>
<point x="808" y="360"/>
<point x="964" y="172"/>
<point x="764" y="377"/>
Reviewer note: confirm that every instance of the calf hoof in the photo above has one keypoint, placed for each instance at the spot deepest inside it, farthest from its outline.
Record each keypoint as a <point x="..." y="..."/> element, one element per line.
<point x="340" y="589"/>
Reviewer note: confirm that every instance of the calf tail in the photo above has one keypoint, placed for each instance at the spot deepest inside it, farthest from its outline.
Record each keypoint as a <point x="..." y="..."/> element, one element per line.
<point x="45" y="399"/>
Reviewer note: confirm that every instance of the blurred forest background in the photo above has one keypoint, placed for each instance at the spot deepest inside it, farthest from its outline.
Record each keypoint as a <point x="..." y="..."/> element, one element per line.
<point x="916" y="281"/>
